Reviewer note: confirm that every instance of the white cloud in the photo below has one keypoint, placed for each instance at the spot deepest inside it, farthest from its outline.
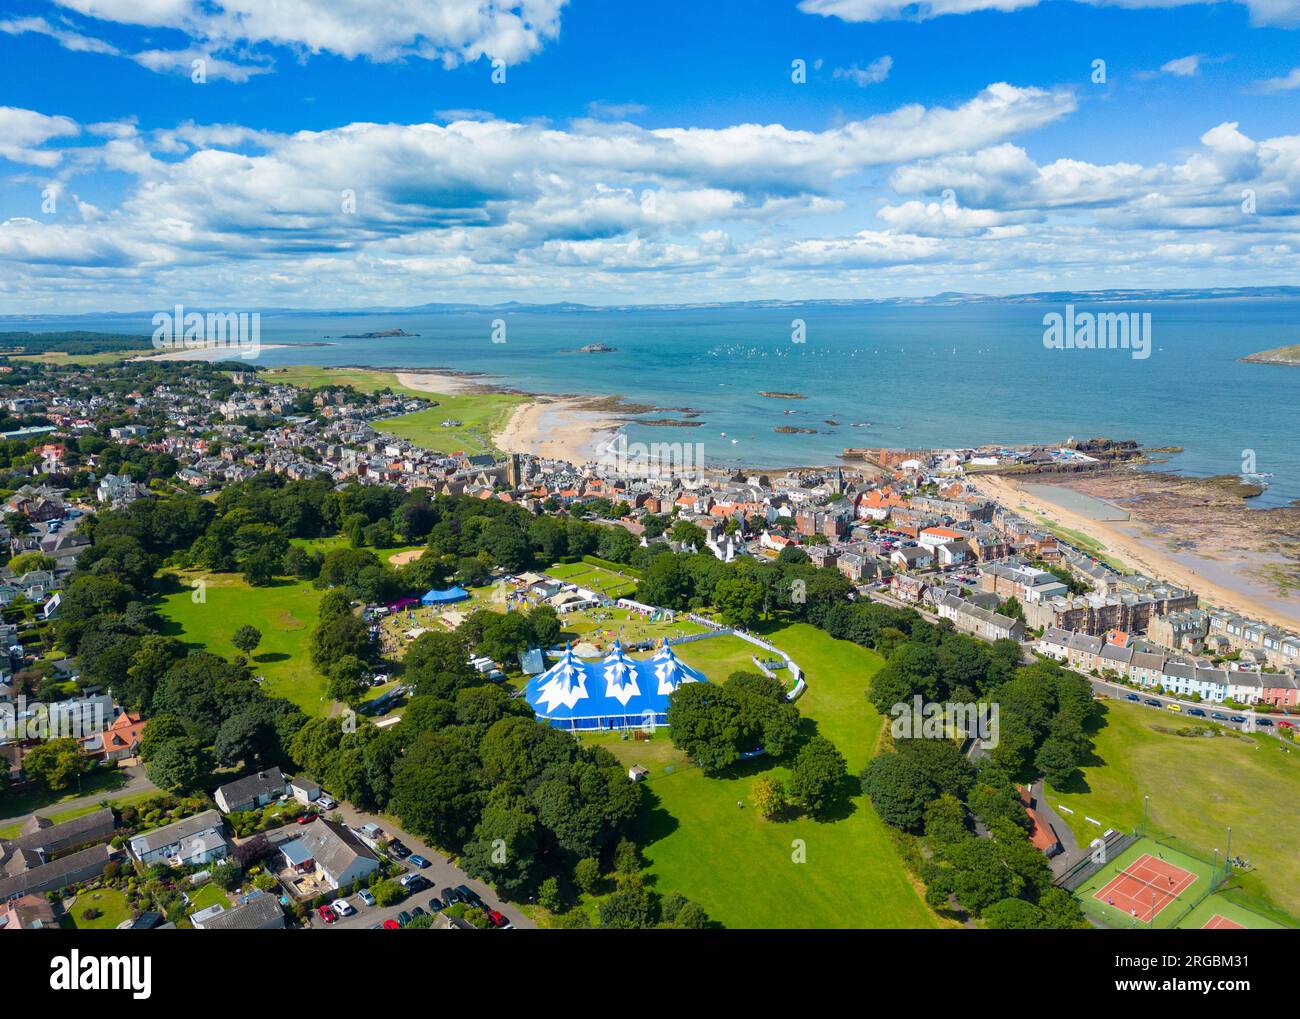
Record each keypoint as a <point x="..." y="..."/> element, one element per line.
<point x="449" y="31"/>
<point x="1286" y="83"/>
<point x="1283" y="13"/>
<point x="65" y="37"/>
<point x="1183" y="67"/>
<point x="875" y="72"/>
<point x="22" y="132"/>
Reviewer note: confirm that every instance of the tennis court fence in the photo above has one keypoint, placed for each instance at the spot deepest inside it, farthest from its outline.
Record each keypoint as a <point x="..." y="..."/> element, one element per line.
<point x="1077" y="875"/>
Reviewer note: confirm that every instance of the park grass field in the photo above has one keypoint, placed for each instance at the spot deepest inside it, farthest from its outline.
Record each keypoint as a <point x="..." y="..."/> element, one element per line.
<point x="692" y="831"/>
<point x="1198" y="786"/>
<point x="285" y="612"/>
<point x="363" y="380"/>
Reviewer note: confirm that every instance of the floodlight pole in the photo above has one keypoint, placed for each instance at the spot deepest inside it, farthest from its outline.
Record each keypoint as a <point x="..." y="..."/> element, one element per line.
<point x="1144" y="813"/>
<point x="1227" y="855"/>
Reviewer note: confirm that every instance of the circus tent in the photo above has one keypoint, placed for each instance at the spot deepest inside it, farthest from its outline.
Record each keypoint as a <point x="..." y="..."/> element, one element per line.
<point x="616" y="692"/>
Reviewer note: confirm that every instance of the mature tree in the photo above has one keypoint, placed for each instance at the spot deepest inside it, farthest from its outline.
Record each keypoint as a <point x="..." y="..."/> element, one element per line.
<point x="740" y="600"/>
<point x="58" y="763"/>
<point x="178" y="765"/>
<point x="544" y="621"/>
<point x="898" y="789"/>
<point x="338" y="636"/>
<point x="704" y="724"/>
<point x="587" y="876"/>
<point x="504" y="848"/>
<point x="247" y="638"/>
<point x="768" y="795"/>
<point x="1013" y="915"/>
<point x="816" y="774"/>
<point x="629" y="906"/>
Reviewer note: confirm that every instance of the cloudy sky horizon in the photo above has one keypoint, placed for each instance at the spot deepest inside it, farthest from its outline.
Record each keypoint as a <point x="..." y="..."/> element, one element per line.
<point x="341" y="153"/>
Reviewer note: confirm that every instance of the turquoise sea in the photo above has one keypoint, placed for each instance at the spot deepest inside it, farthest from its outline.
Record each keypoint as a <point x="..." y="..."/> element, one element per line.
<point x="887" y="375"/>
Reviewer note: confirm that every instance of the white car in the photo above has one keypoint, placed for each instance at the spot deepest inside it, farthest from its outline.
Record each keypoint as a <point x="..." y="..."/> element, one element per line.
<point x="342" y="907"/>
<point x="366" y="896"/>
<point x="326" y="802"/>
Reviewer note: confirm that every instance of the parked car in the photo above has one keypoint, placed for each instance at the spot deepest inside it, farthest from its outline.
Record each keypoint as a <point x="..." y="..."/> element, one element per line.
<point x="326" y="802"/>
<point x="1287" y="725"/>
<point x="306" y="818"/>
<point x="342" y="907"/>
<point x="392" y="925"/>
<point x="398" y="850"/>
<point x="448" y="895"/>
<point x="418" y="861"/>
<point x="1197" y="712"/>
<point x="496" y="919"/>
<point x="418" y="883"/>
<point x="366" y="896"/>
<point x="1151" y="702"/>
<point x="1174" y="707"/>
<point x="1239" y="719"/>
<point x="1264" y="721"/>
<point x="1132" y="697"/>
<point x="436" y="905"/>
<point x="326" y="914"/>
<point x="1218" y="716"/>
<point x="403" y="918"/>
<point x="418" y="911"/>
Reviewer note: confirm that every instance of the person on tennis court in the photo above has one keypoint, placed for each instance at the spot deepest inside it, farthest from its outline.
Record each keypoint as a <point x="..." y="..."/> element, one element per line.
<point x="1110" y="900"/>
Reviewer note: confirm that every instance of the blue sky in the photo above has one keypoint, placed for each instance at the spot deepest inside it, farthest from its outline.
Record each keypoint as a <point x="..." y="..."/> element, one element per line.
<point x="359" y="152"/>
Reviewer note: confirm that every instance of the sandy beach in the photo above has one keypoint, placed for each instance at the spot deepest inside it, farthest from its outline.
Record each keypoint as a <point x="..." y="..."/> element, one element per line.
<point x="1232" y="588"/>
<point x="562" y="429"/>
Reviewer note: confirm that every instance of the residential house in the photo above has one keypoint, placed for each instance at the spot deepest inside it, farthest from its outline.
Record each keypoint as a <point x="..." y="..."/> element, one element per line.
<point x="188" y="843"/>
<point x="251" y="791"/>
<point x="260" y="912"/>
<point x="336" y="855"/>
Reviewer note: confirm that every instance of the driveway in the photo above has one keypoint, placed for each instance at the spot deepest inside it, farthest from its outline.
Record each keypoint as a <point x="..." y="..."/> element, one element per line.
<point x="440" y="873"/>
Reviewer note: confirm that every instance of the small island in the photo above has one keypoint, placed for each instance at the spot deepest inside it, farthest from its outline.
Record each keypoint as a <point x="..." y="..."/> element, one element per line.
<point x="383" y="334"/>
<point x="791" y="430"/>
<point x="776" y="395"/>
<point x="1279" y="355"/>
<point x="597" y="348"/>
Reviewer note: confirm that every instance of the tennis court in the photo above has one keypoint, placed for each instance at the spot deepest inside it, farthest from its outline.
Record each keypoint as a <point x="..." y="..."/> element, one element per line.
<point x="1218" y="912"/>
<point x="1146" y="885"/>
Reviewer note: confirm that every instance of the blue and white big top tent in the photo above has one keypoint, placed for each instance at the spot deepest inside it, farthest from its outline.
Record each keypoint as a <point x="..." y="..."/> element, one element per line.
<point x="617" y="692"/>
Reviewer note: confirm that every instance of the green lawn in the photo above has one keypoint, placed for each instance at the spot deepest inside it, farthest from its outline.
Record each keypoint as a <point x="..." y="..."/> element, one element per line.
<point x="109" y="901"/>
<point x="105" y="357"/>
<point x="285" y="612"/>
<point x="1198" y="786"/>
<point x="595" y="578"/>
<point x="209" y="895"/>
<point x="741" y="868"/>
<point x="479" y="414"/>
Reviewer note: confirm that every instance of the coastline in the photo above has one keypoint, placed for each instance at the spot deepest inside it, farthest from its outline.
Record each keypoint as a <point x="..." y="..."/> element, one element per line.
<point x="1134" y="543"/>
<point x="575" y="429"/>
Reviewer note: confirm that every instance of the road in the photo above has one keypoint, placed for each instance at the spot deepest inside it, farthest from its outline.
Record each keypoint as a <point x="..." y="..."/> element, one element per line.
<point x="1106" y="689"/>
<point x="136" y="782"/>
<point x="440" y="873"/>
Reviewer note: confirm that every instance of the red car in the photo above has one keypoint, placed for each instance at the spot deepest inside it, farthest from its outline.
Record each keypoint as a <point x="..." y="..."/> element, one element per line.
<point x="496" y="919"/>
<point x="392" y="925"/>
<point x="1287" y="725"/>
<point x="307" y="819"/>
<point x="327" y="914"/>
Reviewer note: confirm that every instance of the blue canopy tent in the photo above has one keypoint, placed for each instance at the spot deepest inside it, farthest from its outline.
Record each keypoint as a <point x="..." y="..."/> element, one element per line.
<point x="436" y="597"/>
<point x="617" y="692"/>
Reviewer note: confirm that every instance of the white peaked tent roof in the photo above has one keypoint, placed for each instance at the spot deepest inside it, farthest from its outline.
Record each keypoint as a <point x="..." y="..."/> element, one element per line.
<point x="616" y="686"/>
